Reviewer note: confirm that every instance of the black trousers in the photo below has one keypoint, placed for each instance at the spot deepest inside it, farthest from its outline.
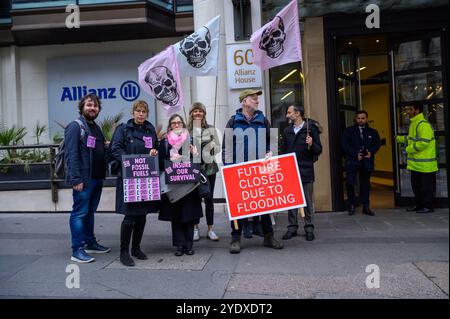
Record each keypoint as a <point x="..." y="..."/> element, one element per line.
<point x="209" y="204"/>
<point x="132" y="219"/>
<point x="424" y="188"/>
<point x="183" y="235"/>
<point x="364" y="184"/>
<point x="266" y="225"/>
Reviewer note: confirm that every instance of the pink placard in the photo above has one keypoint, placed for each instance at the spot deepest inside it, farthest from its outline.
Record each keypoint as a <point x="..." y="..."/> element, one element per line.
<point x="91" y="141"/>
<point x="148" y="141"/>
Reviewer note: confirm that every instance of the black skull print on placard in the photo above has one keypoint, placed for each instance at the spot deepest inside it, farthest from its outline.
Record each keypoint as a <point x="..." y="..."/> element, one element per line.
<point x="272" y="39"/>
<point x="196" y="47"/>
<point x="163" y="85"/>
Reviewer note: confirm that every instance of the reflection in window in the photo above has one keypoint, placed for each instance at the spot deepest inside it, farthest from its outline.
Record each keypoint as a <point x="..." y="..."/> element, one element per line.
<point x="345" y="64"/>
<point x="346" y="91"/>
<point x="405" y="183"/>
<point x="440" y="149"/>
<point x="435" y="115"/>
<point x="286" y="88"/>
<point x="419" y="86"/>
<point x="441" y="183"/>
<point x="424" y="53"/>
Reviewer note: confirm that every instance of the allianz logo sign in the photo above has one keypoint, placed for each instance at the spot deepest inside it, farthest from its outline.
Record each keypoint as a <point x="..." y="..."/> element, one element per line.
<point x="129" y="91"/>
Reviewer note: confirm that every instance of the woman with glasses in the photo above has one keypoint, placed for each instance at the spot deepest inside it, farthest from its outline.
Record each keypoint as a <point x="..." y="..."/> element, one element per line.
<point x="137" y="136"/>
<point x="206" y="136"/>
<point x="186" y="212"/>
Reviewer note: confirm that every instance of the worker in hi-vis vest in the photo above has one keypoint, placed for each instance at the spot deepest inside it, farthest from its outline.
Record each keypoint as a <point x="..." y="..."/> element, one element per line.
<point x="421" y="159"/>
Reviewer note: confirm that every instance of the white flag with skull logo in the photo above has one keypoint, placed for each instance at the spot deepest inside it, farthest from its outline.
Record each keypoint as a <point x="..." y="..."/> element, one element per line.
<point x="198" y="54"/>
<point x="159" y="76"/>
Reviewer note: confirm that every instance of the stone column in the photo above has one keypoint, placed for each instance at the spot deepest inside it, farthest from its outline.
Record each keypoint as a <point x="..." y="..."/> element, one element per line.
<point x="316" y="105"/>
<point x="210" y="90"/>
<point x="10" y="102"/>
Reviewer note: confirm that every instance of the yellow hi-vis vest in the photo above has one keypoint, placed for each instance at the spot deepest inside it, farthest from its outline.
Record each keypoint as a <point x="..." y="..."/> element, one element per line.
<point x="421" y="146"/>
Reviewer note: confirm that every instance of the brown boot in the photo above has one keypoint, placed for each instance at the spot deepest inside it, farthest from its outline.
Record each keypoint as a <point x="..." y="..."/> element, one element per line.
<point x="270" y="241"/>
<point x="235" y="246"/>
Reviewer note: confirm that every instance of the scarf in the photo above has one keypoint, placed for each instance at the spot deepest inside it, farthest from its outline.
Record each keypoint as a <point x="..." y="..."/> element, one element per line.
<point x="176" y="141"/>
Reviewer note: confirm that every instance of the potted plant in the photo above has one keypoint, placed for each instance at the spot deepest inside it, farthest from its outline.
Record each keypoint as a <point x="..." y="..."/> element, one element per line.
<point x="23" y="164"/>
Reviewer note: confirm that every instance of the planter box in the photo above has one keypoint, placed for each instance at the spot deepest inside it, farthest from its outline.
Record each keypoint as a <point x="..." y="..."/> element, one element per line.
<point x="17" y="179"/>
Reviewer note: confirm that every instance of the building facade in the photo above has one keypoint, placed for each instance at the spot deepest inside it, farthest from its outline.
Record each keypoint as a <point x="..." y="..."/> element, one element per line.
<point x="347" y="65"/>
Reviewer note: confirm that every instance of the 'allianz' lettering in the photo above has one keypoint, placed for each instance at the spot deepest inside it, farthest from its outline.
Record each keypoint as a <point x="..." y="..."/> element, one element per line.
<point x="75" y="93"/>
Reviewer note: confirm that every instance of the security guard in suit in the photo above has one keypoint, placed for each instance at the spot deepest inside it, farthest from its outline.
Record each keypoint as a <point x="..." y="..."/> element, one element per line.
<point x="360" y="143"/>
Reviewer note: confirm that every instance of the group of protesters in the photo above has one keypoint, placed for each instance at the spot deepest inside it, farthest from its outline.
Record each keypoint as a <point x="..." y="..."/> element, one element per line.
<point x="87" y="155"/>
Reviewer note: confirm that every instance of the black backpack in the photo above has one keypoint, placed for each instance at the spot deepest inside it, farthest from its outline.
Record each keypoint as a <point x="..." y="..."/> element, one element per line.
<point x="60" y="158"/>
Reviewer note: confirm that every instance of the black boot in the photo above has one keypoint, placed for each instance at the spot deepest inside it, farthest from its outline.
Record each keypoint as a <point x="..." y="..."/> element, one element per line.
<point x="125" y="237"/>
<point x="309" y="232"/>
<point x="138" y="231"/>
<point x="351" y="209"/>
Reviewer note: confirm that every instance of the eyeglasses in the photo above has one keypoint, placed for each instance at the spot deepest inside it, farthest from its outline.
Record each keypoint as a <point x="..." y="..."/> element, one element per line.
<point x="176" y="123"/>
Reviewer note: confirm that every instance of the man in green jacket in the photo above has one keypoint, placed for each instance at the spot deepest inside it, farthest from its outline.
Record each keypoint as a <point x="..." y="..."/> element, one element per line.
<point x="421" y="159"/>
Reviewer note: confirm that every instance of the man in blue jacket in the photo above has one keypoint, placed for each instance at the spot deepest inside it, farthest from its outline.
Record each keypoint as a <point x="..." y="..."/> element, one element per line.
<point x="247" y="126"/>
<point x="85" y="171"/>
<point x="360" y="143"/>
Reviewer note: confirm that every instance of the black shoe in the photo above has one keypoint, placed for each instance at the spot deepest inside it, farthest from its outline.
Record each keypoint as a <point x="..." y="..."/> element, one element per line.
<point x="310" y="236"/>
<point x="138" y="253"/>
<point x="424" y="211"/>
<point x="289" y="234"/>
<point x="179" y="252"/>
<point x="138" y="231"/>
<point x="309" y="232"/>
<point x="413" y="208"/>
<point x="351" y="210"/>
<point x="189" y="252"/>
<point x="125" y="237"/>
<point x="126" y="259"/>
<point x="235" y="246"/>
<point x="368" y="211"/>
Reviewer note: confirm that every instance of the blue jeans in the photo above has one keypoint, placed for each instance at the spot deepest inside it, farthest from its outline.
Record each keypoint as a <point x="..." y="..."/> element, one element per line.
<point x="85" y="204"/>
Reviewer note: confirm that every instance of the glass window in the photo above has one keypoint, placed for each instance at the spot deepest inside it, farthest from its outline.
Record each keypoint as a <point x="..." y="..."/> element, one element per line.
<point x="29" y="4"/>
<point x="441" y="183"/>
<point x="435" y="115"/>
<point x="440" y="149"/>
<point x="419" y="86"/>
<point x="346" y="64"/>
<point x="424" y="53"/>
<point x="347" y="92"/>
<point x="403" y="120"/>
<point x="286" y="88"/>
<point x="347" y="118"/>
<point x="405" y="183"/>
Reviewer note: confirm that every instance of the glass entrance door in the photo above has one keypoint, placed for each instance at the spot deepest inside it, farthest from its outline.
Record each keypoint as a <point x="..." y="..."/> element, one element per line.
<point x="416" y="76"/>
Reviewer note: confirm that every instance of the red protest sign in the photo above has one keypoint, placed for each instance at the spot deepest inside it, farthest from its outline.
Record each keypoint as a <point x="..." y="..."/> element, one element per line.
<point x="263" y="186"/>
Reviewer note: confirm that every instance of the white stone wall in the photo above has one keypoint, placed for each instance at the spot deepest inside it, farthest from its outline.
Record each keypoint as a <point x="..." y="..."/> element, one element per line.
<point x="23" y="77"/>
<point x="220" y="101"/>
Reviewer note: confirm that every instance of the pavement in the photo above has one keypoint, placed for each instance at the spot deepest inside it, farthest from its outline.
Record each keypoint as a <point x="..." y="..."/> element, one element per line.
<point x="408" y="251"/>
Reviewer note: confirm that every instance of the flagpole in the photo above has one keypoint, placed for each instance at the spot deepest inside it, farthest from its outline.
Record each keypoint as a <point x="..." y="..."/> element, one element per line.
<point x="215" y="101"/>
<point x="307" y="104"/>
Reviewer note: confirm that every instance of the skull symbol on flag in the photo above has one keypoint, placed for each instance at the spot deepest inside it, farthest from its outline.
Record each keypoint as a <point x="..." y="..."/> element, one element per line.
<point x="272" y="40"/>
<point x="196" y="47"/>
<point x="163" y="85"/>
